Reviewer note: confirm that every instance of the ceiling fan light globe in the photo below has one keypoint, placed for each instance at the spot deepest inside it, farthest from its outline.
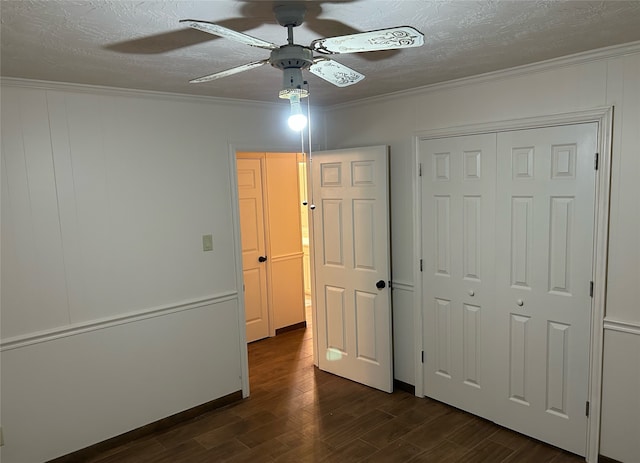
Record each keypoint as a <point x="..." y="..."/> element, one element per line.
<point x="297" y="122"/>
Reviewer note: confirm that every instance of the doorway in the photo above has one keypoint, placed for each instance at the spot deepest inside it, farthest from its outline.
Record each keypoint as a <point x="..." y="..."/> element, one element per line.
<point x="274" y="236"/>
<point x="351" y="233"/>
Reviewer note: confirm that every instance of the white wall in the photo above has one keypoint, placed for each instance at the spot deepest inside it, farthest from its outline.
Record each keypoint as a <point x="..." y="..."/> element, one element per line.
<point x="105" y="196"/>
<point x="584" y="82"/>
<point x="112" y="315"/>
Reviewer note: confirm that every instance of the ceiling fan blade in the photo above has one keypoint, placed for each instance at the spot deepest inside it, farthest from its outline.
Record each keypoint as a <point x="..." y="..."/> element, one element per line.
<point x="334" y="72"/>
<point x="229" y="72"/>
<point x="384" y="39"/>
<point x="215" y="29"/>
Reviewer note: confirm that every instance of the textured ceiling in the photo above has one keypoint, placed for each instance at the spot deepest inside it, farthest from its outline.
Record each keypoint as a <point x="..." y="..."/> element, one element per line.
<point x="141" y="45"/>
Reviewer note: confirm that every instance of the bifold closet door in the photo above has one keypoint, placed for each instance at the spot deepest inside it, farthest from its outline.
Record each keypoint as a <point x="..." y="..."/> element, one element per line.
<point x="544" y="243"/>
<point x="458" y="202"/>
<point x="507" y="239"/>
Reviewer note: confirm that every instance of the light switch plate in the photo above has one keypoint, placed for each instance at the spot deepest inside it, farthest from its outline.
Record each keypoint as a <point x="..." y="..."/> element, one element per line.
<point x="207" y="242"/>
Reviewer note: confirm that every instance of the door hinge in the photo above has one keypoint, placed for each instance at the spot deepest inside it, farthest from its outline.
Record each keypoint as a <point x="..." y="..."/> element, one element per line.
<point x="591" y="288"/>
<point x="422" y="356"/>
<point x="420" y="170"/>
<point x="421" y="265"/>
<point x="586" y="408"/>
<point x="595" y="162"/>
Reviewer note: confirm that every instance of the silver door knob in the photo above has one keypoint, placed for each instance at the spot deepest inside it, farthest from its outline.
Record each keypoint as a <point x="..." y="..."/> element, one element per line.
<point x="520" y="302"/>
<point x="471" y="292"/>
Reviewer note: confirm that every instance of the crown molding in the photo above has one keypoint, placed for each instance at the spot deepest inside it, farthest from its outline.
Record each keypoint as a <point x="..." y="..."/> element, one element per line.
<point x="127" y="92"/>
<point x="613" y="51"/>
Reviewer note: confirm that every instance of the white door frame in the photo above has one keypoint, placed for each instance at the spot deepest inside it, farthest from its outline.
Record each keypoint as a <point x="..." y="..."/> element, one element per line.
<point x="603" y="116"/>
<point x="237" y="248"/>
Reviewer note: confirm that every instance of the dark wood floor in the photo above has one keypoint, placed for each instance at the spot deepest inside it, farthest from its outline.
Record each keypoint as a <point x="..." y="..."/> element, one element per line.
<point x="297" y="413"/>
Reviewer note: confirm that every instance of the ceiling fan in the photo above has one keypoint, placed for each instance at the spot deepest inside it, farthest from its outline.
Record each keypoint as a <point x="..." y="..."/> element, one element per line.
<point x="292" y="58"/>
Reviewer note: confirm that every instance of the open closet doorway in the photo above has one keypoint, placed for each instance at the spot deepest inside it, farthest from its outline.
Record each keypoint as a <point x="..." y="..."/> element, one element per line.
<point x="275" y="242"/>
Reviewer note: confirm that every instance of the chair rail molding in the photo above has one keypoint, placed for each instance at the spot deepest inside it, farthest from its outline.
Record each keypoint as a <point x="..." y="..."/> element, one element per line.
<point x="17" y="342"/>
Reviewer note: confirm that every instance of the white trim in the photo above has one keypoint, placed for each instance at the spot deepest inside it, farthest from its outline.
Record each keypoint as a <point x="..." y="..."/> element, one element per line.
<point x="418" y="335"/>
<point x="600" y="254"/>
<point x="130" y="92"/>
<point x="552" y="120"/>
<point x="242" y="147"/>
<point x="526" y="69"/>
<point x="621" y="326"/>
<point x="38" y="337"/>
<point x="237" y="254"/>
<point x="604" y="118"/>
<point x="402" y="285"/>
<point x="312" y="255"/>
<point x="285" y="257"/>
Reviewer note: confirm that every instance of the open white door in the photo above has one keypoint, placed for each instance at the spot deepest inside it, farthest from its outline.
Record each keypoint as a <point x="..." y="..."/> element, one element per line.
<point x="352" y="264"/>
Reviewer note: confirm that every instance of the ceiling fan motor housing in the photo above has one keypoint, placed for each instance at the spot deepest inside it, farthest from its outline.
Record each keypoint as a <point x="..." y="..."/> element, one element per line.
<point x="292" y="59"/>
<point x="291" y="56"/>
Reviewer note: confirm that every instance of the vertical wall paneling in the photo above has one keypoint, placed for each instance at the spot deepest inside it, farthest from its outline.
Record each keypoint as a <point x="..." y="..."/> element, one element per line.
<point x="34" y="290"/>
<point x="105" y="198"/>
<point x="621" y="379"/>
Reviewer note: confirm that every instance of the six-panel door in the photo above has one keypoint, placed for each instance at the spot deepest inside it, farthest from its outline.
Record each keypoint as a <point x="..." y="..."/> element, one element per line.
<point x="351" y="253"/>
<point x="507" y="238"/>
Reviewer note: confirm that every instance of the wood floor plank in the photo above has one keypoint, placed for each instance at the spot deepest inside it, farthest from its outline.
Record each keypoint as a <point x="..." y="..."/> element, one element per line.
<point x="344" y="433"/>
<point x="297" y="413"/>
<point x="142" y="451"/>
<point x="423" y="411"/>
<point x="382" y="436"/>
<point x="397" y="452"/>
<point x="533" y="452"/>
<point x="268" y="431"/>
<point x="486" y="452"/>
<point x="444" y="452"/>
<point x="310" y="450"/>
<point x="431" y="433"/>
<point x="352" y="452"/>
<point x="472" y="433"/>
